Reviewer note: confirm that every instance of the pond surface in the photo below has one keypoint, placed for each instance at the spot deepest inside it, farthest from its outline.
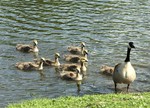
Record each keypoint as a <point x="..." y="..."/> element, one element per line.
<point x="106" y="26"/>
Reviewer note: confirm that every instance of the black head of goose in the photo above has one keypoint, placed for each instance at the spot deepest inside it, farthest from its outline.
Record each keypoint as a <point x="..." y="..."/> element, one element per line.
<point x="124" y="72"/>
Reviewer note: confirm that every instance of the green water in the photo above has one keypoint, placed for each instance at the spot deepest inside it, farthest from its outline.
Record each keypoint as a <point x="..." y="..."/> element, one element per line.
<point x="106" y="26"/>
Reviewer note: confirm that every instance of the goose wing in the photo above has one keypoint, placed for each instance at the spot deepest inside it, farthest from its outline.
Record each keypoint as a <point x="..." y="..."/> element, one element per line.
<point x="69" y="67"/>
<point x="72" y="58"/>
<point x="74" y="50"/>
<point x="49" y="62"/>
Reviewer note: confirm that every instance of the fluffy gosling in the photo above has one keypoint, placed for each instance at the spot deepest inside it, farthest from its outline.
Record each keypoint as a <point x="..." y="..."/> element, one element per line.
<point x="70" y="75"/>
<point x="27" y="47"/>
<point x="76" y="58"/>
<point x="107" y="70"/>
<point x="77" y="50"/>
<point x="30" y="65"/>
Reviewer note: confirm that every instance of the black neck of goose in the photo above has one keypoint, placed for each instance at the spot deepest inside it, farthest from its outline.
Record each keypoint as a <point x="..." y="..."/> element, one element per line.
<point x="128" y="55"/>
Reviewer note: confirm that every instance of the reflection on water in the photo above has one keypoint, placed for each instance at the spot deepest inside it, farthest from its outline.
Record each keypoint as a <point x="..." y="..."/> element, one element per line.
<point x="105" y="26"/>
<point x="42" y="75"/>
<point x="78" y="86"/>
<point x="36" y="55"/>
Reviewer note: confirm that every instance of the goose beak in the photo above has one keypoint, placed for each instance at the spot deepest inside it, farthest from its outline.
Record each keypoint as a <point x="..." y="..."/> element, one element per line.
<point x="133" y="46"/>
<point x="57" y="55"/>
<point x="42" y="59"/>
<point x="35" y="42"/>
<point x="86" y="60"/>
<point x="85" y="52"/>
<point x="82" y="44"/>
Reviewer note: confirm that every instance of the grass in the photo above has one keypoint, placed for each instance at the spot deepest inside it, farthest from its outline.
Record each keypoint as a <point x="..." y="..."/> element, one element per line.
<point x="133" y="100"/>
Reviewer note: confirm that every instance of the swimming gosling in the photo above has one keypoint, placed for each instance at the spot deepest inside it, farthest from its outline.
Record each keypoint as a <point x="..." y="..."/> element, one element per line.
<point x="77" y="50"/>
<point x="55" y="63"/>
<point x="72" y="67"/>
<point x="70" y="75"/>
<point x="27" y="47"/>
<point x="107" y="70"/>
<point x="76" y="58"/>
<point x="30" y="65"/>
<point x="124" y="72"/>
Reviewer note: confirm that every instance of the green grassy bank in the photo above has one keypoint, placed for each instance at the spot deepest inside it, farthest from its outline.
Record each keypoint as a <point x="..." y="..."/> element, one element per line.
<point x="131" y="100"/>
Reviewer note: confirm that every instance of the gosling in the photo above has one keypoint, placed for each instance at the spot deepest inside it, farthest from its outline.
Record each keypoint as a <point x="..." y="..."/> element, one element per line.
<point x="76" y="58"/>
<point x="107" y="70"/>
<point x="49" y="62"/>
<point x="77" y="50"/>
<point x="30" y="65"/>
<point x="26" y="48"/>
<point x="72" y="67"/>
<point x="70" y="75"/>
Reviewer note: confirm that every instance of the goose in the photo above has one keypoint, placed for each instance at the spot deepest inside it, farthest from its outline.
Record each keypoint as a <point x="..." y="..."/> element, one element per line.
<point x="107" y="70"/>
<point x="27" y="47"/>
<point x="77" y="50"/>
<point x="49" y="62"/>
<point x="73" y="66"/>
<point x="76" y="58"/>
<point x="70" y="75"/>
<point x="124" y="72"/>
<point x="30" y="65"/>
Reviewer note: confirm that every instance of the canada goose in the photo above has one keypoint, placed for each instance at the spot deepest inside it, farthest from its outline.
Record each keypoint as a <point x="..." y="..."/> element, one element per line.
<point x="70" y="75"/>
<point x="124" y="72"/>
<point x="30" y="65"/>
<point x="107" y="70"/>
<point x="77" y="50"/>
<point x="75" y="58"/>
<point x="28" y="48"/>
<point x="56" y="63"/>
<point x="72" y="67"/>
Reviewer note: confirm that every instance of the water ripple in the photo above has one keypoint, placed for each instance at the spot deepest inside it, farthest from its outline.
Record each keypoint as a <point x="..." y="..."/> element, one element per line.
<point x="105" y="26"/>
